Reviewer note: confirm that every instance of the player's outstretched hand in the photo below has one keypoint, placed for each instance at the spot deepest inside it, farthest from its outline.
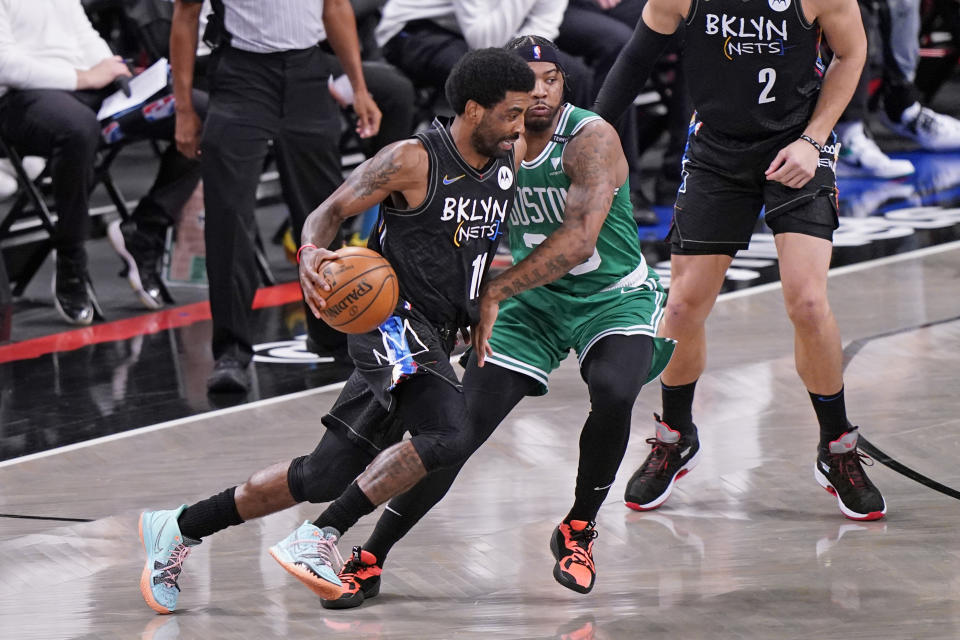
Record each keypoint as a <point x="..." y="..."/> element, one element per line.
<point x="489" y="308"/>
<point x="312" y="282"/>
<point x="795" y="165"/>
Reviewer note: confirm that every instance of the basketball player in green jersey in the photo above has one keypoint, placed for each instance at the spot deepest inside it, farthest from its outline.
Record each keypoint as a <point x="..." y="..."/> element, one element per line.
<point x="579" y="282"/>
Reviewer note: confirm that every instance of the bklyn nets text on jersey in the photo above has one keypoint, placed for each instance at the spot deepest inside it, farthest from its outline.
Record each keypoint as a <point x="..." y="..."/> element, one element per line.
<point x="475" y="218"/>
<point x="762" y="35"/>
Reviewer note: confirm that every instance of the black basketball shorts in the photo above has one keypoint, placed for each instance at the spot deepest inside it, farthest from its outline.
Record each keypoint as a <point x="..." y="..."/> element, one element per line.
<point x="403" y="347"/>
<point x="724" y="189"/>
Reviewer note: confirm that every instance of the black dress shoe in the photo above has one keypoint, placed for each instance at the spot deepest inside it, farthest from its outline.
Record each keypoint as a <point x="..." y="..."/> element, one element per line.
<point x="643" y="213"/>
<point x="229" y="376"/>
<point x="72" y="293"/>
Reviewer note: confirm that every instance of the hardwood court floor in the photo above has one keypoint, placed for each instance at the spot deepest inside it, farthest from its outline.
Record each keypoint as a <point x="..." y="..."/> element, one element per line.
<point x="749" y="546"/>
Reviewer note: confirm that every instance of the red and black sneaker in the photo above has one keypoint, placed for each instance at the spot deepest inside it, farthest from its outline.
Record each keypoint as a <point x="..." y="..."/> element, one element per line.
<point x="361" y="580"/>
<point x="672" y="456"/>
<point x="572" y="546"/>
<point x="839" y="470"/>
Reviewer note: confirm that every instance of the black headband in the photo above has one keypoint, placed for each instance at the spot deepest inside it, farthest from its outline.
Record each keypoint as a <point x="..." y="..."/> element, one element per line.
<point x="539" y="53"/>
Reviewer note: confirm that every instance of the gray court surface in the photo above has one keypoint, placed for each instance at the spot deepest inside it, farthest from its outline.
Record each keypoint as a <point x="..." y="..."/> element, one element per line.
<point x="749" y="546"/>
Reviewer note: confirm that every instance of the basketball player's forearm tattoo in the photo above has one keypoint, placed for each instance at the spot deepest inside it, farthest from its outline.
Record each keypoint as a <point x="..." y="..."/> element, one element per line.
<point x="588" y="162"/>
<point x="391" y="473"/>
<point x="535" y="271"/>
<point x="375" y="175"/>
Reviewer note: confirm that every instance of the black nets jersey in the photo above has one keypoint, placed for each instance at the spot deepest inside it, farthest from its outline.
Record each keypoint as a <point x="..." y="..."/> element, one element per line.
<point x="753" y="66"/>
<point x="442" y="249"/>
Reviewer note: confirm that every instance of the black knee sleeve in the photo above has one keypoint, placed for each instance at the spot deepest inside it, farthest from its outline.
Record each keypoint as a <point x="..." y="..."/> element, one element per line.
<point x="327" y="471"/>
<point x="434" y="411"/>
<point x="440" y="439"/>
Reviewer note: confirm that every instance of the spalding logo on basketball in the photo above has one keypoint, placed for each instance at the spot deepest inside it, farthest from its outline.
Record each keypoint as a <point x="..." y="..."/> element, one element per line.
<point x="363" y="290"/>
<point x="779" y="5"/>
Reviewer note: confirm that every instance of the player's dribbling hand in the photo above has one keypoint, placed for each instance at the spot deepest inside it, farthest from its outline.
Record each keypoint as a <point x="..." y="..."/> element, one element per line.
<point x="480" y="334"/>
<point x="312" y="281"/>
<point x="795" y="165"/>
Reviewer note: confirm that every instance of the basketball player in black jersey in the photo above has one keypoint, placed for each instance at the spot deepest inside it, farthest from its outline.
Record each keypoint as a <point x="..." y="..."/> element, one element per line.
<point x="445" y="193"/>
<point x="761" y="138"/>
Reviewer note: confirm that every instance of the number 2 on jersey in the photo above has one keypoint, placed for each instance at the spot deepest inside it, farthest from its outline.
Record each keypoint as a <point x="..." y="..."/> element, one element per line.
<point x="767" y="75"/>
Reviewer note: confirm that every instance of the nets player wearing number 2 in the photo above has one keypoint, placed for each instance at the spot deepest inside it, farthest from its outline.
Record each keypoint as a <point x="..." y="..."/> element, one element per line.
<point x="444" y="194"/>
<point x="761" y="138"/>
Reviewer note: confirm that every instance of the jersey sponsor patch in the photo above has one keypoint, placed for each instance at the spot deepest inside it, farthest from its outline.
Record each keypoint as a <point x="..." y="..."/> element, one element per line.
<point x="779" y="5"/>
<point x="505" y="178"/>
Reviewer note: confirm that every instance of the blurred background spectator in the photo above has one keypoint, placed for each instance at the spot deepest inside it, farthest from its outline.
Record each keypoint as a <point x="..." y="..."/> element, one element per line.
<point x="893" y="29"/>
<point x="55" y="71"/>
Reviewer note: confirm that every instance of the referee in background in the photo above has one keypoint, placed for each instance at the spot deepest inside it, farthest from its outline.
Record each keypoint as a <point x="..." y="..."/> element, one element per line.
<point x="268" y="81"/>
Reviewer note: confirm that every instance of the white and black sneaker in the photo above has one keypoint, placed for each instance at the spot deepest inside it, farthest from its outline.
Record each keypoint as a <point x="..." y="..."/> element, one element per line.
<point x="861" y="157"/>
<point x="839" y="470"/>
<point x="931" y="130"/>
<point x="672" y="457"/>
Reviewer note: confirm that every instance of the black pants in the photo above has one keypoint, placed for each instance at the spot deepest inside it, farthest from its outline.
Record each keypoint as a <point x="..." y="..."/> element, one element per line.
<point x="427" y="53"/>
<point x="255" y="99"/>
<point x="62" y="126"/>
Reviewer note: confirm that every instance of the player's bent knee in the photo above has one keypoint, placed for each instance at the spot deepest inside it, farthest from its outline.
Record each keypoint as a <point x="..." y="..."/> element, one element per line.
<point x="442" y="451"/>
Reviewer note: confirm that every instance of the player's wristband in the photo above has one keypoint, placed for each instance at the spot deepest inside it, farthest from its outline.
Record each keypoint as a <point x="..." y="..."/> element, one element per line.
<point x="302" y="247"/>
<point x="815" y="144"/>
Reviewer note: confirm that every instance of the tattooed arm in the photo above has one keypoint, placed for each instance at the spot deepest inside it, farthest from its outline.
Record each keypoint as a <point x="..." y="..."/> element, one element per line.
<point x="596" y="166"/>
<point x="397" y="169"/>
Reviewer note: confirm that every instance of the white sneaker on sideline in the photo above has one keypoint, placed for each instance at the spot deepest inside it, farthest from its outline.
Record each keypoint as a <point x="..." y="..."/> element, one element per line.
<point x="931" y="130"/>
<point x="861" y="157"/>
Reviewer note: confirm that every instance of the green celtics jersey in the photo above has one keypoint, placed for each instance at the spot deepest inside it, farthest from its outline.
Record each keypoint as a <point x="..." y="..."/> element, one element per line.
<point x="538" y="210"/>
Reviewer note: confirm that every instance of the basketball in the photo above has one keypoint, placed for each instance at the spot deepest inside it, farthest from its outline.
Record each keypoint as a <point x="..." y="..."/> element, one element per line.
<point x="363" y="290"/>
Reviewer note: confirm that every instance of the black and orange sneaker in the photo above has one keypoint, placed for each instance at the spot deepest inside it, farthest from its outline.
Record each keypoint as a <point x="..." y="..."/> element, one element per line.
<point x="839" y="471"/>
<point x="672" y="457"/>
<point x="361" y="580"/>
<point x="572" y="546"/>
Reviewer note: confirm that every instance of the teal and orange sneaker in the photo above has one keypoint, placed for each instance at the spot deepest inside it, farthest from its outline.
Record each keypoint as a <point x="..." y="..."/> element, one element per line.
<point x="572" y="546"/>
<point x="310" y="554"/>
<point x="166" y="550"/>
<point x="361" y="581"/>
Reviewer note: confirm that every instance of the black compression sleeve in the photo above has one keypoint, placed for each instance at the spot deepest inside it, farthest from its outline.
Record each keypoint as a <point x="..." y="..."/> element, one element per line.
<point x="630" y="72"/>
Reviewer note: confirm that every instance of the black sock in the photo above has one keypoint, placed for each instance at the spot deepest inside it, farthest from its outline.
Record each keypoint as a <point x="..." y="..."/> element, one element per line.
<point x="344" y="512"/>
<point x="603" y="442"/>
<point x="209" y="516"/>
<point x="832" y="416"/>
<point x="390" y="528"/>
<point x="678" y="407"/>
